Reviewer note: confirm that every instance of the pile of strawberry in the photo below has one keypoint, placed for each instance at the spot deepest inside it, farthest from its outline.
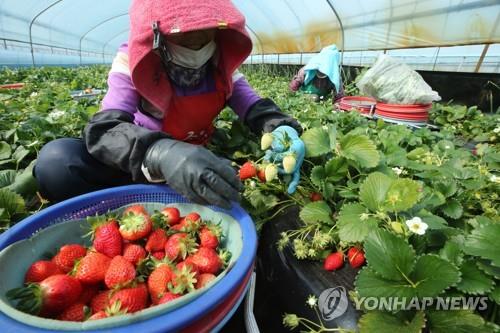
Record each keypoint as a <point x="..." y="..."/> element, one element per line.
<point x="135" y="261"/>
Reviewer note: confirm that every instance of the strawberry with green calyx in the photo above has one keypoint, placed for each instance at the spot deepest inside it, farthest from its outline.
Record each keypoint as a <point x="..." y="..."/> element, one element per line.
<point x="75" y="312"/>
<point x="49" y="297"/>
<point x="261" y="174"/>
<point x="247" y="171"/>
<point x="40" y="270"/>
<point x="183" y="280"/>
<point x="167" y="297"/>
<point x="156" y="241"/>
<point x="190" y="264"/>
<point x="210" y="235"/>
<point x="158" y="281"/>
<point x="315" y="196"/>
<point x="100" y="301"/>
<point x="334" y="261"/>
<point x="207" y="260"/>
<point x="271" y="172"/>
<point x="266" y="141"/>
<point x="120" y="273"/>
<point x="356" y="257"/>
<point x="135" y="223"/>
<point x="179" y="246"/>
<point x="189" y="223"/>
<point x="204" y="279"/>
<point x="289" y="162"/>
<point x="109" y="311"/>
<point x="134" y="253"/>
<point x="92" y="268"/>
<point x="225" y="257"/>
<point x="105" y="235"/>
<point x="67" y="255"/>
<point x="132" y="299"/>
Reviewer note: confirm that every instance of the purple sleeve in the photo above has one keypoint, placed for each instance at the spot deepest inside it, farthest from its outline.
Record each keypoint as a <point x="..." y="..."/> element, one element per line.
<point x="121" y="94"/>
<point x="243" y="97"/>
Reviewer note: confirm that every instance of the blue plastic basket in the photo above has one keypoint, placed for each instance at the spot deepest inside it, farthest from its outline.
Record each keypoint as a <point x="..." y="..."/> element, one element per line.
<point x="110" y="199"/>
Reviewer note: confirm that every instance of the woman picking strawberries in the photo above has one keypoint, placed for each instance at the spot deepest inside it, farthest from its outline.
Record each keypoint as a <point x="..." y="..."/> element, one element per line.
<point x="166" y="86"/>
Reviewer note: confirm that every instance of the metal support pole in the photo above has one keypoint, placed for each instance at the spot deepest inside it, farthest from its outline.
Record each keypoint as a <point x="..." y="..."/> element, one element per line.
<point x="481" y="58"/>
<point x="31" y="26"/>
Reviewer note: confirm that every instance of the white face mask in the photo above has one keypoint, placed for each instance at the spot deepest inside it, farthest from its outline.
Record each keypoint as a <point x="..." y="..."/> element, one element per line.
<point x="194" y="59"/>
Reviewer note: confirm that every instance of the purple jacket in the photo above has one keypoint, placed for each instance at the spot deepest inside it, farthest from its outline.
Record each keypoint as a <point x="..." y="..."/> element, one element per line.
<point x="122" y="95"/>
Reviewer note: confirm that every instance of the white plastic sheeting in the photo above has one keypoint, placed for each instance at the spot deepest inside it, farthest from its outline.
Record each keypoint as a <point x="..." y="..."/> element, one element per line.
<point x="73" y="32"/>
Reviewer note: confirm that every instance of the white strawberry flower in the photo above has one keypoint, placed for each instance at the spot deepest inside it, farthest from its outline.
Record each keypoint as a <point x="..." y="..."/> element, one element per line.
<point x="312" y="301"/>
<point x="417" y="226"/>
<point x="496" y="130"/>
<point x="494" y="179"/>
<point x="397" y="170"/>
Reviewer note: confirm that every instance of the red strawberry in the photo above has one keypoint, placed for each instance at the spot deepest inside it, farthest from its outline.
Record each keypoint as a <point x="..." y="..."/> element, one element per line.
<point x="158" y="281"/>
<point x="67" y="255"/>
<point x="92" y="268"/>
<point x="356" y="257"/>
<point x="190" y="264"/>
<point x="76" y="312"/>
<point x="98" y="315"/>
<point x="334" y="261"/>
<point x="51" y="296"/>
<point x="107" y="238"/>
<point x="315" y="196"/>
<point x="172" y="215"/>
<point x="261" y="174"/>
<point x="167" y="297"/>
<point x="158" y="255"/>
<point x="88" y="293"/>
<point x="100" y="301"/>
<point x="209" y="236"/>
<point x="40" y="270"/>
<point x="119" y="273"/>
<point x="183" y="279"/>
<point x="134" y="253"/>
<point x="156" y="241"/>
<point x="179" y="245"/>
<point x="207" y="260"/>
<point x="131" y="299"/>
<point x="135" y="223"/>
<point x="190" y="223"/>
<point x="247" y="170"/>
<point x="204" y="279"/>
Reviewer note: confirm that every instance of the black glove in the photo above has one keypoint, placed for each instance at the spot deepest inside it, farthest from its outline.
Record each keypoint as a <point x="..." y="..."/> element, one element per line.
<point x="266" y="116"/>
<point x="194" y="171"/>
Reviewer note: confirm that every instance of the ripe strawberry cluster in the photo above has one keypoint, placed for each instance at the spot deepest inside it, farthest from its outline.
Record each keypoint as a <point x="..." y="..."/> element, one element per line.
<point x="136" y="260"/>
<point x="334" y="261"/>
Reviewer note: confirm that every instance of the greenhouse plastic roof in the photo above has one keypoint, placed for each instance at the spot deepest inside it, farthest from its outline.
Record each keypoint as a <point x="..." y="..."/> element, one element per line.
<point x="91" y="30"/>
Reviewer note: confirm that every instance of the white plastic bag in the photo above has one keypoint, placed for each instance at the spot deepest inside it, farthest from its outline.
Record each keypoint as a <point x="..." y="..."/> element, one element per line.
<point x="391" y="81"/>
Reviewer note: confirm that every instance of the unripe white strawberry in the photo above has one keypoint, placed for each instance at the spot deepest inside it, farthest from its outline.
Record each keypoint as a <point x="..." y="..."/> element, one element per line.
<point x="271" y="172"/>
<point x="266" y="141"/>
<point x="289" y="163"/>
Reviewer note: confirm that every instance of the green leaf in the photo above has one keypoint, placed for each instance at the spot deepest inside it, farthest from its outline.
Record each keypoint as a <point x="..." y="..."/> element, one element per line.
<point x="417" y="153"/>
<point x="336" y="169"/>
<point x="452" y="251"/>
<point x="458" y="321"/>
<point x="483" y="242"/>
<point x="376" y="321"/>
<point x="433" y="221"/>
<point x="447" y="188"/>
<point x="474" y="281"/>
<point x="12" y="202"/>
<point x="396" y="156"/>
<point x="488" y="268"/>
<point x="453" y="209"/>
<point x="403" y="194"/>
<point x="389" y="255"/>
<point x="432" y="275"/>
<point x="25" y="184"/>
<point x="370" y="284"/>
<point x="495" y="295"/>
<point x="5" y="150"/>
<point x="317" y="142"/>
<point x="318" y="175"/>
<point x="374" y="189"/>
<point x="7" y="177"/>
<point x="20" y="153"/>
<point x="318" y="211"/>
<point x="361" y="149"/>
<point x="352" y="225"/>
